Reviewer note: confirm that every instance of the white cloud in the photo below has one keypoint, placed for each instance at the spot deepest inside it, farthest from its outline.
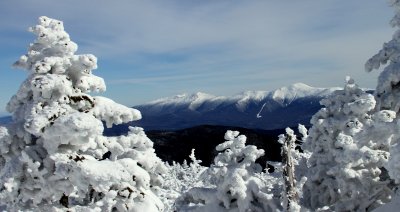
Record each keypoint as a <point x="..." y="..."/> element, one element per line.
<point x="215" y="42"/>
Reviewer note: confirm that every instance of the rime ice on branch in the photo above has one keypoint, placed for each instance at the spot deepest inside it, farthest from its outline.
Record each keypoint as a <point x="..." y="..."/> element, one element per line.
<point x="349" y="143"/>
<point x="291" y="195"/>
<point x="54" y="155"/>
<point x="179" y="179"/>
<point x="236" y="186"/>
<point x="388" y="89"/>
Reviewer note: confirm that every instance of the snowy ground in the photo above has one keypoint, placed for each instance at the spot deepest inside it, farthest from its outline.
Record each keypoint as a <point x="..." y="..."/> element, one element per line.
<point x="392" y="206"/>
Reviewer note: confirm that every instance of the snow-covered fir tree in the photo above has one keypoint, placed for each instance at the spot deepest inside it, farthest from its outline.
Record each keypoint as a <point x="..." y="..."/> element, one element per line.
<point x="237" y="183"/>
<point x="387" y="92"/>
<point x="54" y="156"/>
<point x="179" y="179"/>
<point x="290" y="191"/>
<point x="349" y="143"/>
<point x="388" y="87"/>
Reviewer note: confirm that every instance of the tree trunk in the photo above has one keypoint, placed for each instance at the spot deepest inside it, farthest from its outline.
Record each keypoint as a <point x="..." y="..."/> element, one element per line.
<point x="291" y="193"/>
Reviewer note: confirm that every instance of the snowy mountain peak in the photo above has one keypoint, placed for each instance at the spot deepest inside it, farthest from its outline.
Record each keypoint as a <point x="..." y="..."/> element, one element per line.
<point x="283" y="96"/>
<point x="255" y="107"/>
<point x="243" y="100"/>
<point x="200" y="96"/>
<point x="257" y="95"/>
<point x="286" y="106"/>
<point x="286" y="95"/>
<point x="293" y="89"/>
<point x="301" y="86"/>
<point x="182" y="99"/>
<point x="197" y="99"/>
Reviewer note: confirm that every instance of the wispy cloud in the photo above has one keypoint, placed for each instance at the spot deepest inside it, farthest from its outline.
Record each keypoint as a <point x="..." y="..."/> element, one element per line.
<point x="220" y="46"/>
<point x="158" y="79"/>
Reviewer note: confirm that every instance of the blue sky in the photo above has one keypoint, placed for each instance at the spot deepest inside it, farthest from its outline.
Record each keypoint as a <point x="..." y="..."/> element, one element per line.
<point x="152" y="49"/>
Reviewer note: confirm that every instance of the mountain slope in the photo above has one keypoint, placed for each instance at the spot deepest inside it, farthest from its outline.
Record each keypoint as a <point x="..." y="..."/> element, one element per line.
<point x="276" y="109"/>
<point x="5" y="120"/>
<point x="269" y="110"/>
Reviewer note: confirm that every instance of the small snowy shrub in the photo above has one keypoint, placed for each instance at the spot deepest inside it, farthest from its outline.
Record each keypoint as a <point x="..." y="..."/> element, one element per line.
<point x="179" y="179"/>
<point x="236" y="181"/>
<point x="349" y="148"/>
<point x="54" y="156"/>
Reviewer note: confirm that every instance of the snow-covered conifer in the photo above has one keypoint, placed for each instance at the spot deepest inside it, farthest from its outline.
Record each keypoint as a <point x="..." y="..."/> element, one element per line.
<point x="179" y="179"/>
<point x="291" y="195"/>
<point x="54" y="156"/>
<point x="293" y="168"/>
<point x="388" y="88"/>
<point x="236" y="186"/>
<point x="349" y="145"/>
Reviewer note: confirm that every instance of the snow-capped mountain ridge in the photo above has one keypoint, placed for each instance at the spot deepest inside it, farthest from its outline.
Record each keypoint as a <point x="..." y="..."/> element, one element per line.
<point x="283" y="96"/>
<point x="275" y="109"/>
<point x="287" y="95"/>
<point x="182" y="98"/>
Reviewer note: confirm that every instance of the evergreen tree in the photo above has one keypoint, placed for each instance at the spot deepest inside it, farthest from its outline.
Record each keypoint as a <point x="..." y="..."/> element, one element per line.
<point x="236" y="185"/>
<point x="179" y="179"/>
<point x="349" y="148"/>
<point x="388" y="88"/>
<point x="54" y="156"/>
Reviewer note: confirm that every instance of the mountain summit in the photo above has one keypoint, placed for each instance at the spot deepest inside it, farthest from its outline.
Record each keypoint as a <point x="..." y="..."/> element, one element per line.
<point x="286" y="106"/>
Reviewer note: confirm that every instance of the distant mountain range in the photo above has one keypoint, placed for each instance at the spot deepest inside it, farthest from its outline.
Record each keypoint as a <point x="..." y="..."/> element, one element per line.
<point x="178" y="124"/>
<point x="268" y="110"/>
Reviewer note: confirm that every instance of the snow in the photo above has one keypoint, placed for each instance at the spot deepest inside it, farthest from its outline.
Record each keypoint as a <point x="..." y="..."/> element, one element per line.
<point x="191" y="102"/>
<point x="252" y="109"/>
<point x="286" y="95"/>
<point x="349" y="144"/>
<point x="242" y="100"/>
<point x="179" y="99"/>
<point x="392" y="206"/>
<point x="283" y="96"/>
<point x="113" y="113"/>
<point x="54" y="155"/>
<point x="196" y="100"/>
<point x="235" y="181"/>
<point x="259" y="112"/>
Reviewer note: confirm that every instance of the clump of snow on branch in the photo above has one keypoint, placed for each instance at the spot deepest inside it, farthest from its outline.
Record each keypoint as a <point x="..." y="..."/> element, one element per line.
<point x="54" y="155"/>
<point x="235" y="184"/>
<point x="290" y="159"/>
<point x="389" y="79"/>
<point x="180" y="178"/>
<point x="388" y="90"/>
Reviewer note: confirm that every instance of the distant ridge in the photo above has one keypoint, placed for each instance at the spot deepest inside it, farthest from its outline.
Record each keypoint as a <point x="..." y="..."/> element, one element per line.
<point x="266" y="110"/>
<point x="277" y="109"/>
